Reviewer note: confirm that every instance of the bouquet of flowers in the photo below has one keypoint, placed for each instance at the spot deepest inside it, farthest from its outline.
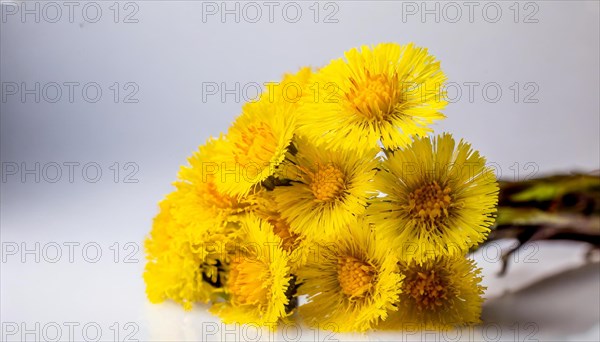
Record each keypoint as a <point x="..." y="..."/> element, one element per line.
<point x="329" y="189"/>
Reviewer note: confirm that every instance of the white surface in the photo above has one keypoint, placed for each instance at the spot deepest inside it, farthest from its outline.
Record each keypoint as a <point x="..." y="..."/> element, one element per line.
<point x="170" y="52"/>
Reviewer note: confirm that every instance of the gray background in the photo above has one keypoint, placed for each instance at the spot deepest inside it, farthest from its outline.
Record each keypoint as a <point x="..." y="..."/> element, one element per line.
<point x="170" y="49"/>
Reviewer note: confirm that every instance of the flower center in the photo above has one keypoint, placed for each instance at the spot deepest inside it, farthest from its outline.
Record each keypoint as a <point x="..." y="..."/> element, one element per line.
<point x="430" y="203"/>
<point x="428" y="291"/>
<point x="248" y="282"/>
<point x="327" y="183"/>
<point x="355" y="276"/>
<point x="255" y="144"/>
<point x="375" y="96"/>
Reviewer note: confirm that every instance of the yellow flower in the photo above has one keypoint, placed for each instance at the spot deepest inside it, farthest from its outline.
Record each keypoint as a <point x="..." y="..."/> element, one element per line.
<point x="258" y="139"/>
<point x="329" y="188"/>
<point x="176" y="269"/>
<point x="197" y="204"/>
<point x="296" y="245"/>
<point x="258" y="278"/>
<point x="184" y="250"/>
<point x="387" y="93"/>
<point x="439" y="294"/>
<point x="351" y="282"/>
<point x="440" y="198"/>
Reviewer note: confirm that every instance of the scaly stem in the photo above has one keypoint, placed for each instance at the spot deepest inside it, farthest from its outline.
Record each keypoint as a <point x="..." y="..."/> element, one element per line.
<point x="558" y="207"/>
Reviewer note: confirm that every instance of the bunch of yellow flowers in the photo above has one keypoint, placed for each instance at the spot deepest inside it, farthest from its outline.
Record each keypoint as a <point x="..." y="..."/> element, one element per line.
<point x="328" y="188"/>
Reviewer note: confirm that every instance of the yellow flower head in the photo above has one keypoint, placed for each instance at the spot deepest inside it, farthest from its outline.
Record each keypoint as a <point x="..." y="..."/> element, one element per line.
<point x="439" y="294"/>
<point x="258" y="139"/>
<point x="351" y="282"/>
<point x="177" y="269"/>
<point x="387" y="93"/>
<point x="329" y="188"/>
<point x="258" y="278"/>
<point x="440" y="198"/>
<point x="295" y="244"/>
<point x="197" y="204"/>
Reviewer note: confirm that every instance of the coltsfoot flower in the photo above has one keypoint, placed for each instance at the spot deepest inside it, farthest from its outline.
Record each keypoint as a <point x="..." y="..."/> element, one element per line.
<point x="295" y="244"/>
<point x="439" y="198"/>
<point x="258" y="277"/>
<point x="351" y="282"/>
<point x="387" y="93"/>
<point x="197" y="204"/>
<point x="257" y="141"/>
<point x="329" y="188"/>
<point x="177" y="269"/>
<point x="439" y="294"/>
